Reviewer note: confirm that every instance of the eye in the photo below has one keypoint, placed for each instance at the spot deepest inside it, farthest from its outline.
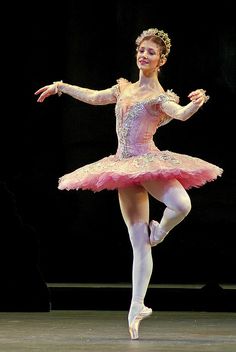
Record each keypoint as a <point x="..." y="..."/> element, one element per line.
<point x="151" y="52"/>
<point x="141" y="50"/>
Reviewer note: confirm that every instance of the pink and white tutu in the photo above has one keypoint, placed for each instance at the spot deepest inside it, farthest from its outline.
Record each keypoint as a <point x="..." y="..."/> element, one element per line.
<point x="112" y="173"/>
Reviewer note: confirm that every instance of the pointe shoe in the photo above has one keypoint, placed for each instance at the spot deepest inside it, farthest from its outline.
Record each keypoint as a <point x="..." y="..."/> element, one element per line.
<point x="157" y="235"/>
<point x="134" y="325"/>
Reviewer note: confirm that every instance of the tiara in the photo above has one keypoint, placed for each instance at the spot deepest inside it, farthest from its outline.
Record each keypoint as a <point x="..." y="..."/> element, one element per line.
<point x="158" y="33"/>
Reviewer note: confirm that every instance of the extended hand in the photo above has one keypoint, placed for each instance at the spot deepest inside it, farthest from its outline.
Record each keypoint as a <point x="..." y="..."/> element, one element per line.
<point x="199" y="97"/>
<point x="46" y="91"/>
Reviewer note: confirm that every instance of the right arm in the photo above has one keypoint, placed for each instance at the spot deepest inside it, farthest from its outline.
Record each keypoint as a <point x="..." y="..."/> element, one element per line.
<point x="89" y="96"/>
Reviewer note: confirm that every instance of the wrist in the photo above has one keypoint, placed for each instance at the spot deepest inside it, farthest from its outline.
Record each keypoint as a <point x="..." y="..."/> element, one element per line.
<point x="204" y="96"/>
<point x="58" y="86"/>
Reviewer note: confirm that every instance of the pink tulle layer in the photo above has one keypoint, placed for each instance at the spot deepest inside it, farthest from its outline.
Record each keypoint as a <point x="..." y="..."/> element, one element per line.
<point x="111" y="172"/>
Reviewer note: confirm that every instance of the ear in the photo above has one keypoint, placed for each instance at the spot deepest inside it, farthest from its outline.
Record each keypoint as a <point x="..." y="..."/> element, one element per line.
<point x="163" y="60"/>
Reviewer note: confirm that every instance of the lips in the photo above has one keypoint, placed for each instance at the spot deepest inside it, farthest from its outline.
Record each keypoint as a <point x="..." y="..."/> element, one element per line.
<point x="143" y="62"/>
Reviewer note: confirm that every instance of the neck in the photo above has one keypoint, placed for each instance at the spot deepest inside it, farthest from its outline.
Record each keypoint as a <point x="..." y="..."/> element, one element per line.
<point x="148" y="80"/>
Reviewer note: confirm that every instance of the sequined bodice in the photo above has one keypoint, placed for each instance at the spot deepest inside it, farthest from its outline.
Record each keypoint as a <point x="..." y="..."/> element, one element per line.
<point x="135" y="127"/>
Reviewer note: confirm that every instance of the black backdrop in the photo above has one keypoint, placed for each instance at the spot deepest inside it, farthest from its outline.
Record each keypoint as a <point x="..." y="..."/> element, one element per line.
<point x="80" y="235"/>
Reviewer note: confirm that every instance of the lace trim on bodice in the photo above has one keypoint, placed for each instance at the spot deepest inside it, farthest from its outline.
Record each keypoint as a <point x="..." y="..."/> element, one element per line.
<point x="152" y="104"/>
<point x="121" y="84"/>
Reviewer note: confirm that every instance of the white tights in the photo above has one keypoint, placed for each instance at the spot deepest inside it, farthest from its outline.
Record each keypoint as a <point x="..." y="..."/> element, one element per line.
<point x="142" y="266"/>
<point x="177" y="202"/>
<point x="134" y="204"/>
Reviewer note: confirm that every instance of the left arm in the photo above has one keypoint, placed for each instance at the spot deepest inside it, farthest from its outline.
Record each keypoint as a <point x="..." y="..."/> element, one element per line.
<point x="176" y="111"/>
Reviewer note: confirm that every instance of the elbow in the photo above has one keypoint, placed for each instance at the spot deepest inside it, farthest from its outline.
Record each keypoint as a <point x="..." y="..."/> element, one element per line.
<point x="181" y="117"/>
<point x="95" y="99"/>
<point x="184" y="115"/>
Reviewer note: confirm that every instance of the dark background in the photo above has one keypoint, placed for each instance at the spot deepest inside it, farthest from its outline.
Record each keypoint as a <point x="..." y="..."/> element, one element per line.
<point x="79" y="236"/>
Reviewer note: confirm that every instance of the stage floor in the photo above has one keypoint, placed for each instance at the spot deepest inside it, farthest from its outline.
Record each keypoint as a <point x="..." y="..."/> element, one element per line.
<point x="103" y="331"/>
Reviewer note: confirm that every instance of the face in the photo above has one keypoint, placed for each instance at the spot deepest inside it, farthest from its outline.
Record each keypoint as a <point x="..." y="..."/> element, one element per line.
<point x="148" y="56"/>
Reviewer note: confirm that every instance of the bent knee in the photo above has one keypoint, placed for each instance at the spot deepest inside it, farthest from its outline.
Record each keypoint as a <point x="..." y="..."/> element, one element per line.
<point x="184" y="206"/>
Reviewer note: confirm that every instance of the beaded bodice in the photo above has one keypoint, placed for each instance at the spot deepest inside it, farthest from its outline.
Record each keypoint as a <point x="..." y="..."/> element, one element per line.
<point x="136" y="124"/>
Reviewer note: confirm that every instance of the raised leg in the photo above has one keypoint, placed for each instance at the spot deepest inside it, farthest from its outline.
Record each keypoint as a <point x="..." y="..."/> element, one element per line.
<point x="178" y="205"/>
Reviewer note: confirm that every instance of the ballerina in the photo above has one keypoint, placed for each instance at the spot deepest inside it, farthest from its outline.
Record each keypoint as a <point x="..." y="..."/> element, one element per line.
<point x="139" y="168"/>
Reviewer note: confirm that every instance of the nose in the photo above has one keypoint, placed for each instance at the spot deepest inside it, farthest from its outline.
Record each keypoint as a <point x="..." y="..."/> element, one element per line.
<point x="144" y="54"/>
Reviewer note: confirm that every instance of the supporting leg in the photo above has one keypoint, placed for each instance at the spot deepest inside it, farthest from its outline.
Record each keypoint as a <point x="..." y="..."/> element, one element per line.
<point x="134" y="204"/>
<point x="141" y="274"/>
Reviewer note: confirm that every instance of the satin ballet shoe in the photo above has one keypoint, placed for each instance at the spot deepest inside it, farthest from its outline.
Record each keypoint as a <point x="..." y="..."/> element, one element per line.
<point x="134" y="325"/>
<point x="157" y="235"/>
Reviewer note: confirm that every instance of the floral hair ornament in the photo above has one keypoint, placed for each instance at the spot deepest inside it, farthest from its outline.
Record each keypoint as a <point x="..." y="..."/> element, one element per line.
<point x="157" y="33"/>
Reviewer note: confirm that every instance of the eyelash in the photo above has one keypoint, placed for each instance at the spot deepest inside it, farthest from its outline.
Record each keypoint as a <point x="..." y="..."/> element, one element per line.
<point x="150" y="53"/>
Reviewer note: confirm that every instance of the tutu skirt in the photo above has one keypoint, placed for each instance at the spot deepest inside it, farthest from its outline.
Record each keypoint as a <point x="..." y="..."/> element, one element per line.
<point x="112" y="172"/>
